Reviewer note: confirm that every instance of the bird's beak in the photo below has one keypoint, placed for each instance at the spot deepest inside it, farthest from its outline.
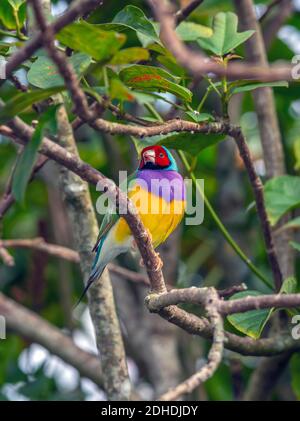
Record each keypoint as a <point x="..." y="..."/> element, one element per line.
<point x="149" y="156"/>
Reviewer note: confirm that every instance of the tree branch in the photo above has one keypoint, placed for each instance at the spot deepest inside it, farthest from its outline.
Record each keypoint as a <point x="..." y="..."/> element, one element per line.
<point x="73" y="256"/>
<point x="214" y="356"/>
<point x="268" y="124"/>
<point x="198" y="64"/>
<point x="193" y="295"/>
<point x="207" y="128"/>
<point x="260" y="205"/>
<point x="186" y="321"/>
<point x="85" y="229"/>
<point x="77" y="9"/>
<point x="24" y="133"/>
<point x="183" y="13"/>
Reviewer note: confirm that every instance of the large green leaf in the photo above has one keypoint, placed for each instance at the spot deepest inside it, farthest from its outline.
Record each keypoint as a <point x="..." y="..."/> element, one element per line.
<point x="192" y="143"/>
<point x="295" y="374"/>
<point x="251" y="323"/>
<point x="130" y="55"/>
<point x="151" y="78"/>
<point x="190" y="31"/>
<point x="90" y="39"/>
<point x="22" y="101"/>
<point x="7" y="9"/>
<point x="28" y="157"/>
<point x="256" y="85"/>
<point x="44" y="74"/>
<point x="281" y="195"/>
<point x="134" y="18"/>
<point x="225" y="36"/>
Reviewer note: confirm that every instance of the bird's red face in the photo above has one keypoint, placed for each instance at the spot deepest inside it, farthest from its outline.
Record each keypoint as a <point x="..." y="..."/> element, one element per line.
<point x="154" y="157"/>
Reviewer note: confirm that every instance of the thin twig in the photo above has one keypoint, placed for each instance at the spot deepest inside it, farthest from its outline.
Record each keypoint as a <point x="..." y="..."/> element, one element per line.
<point x="183" y="13"/>
<point x="7" y="258"/>
<point x="71" y="255"/>
<point x="269" y="9"/>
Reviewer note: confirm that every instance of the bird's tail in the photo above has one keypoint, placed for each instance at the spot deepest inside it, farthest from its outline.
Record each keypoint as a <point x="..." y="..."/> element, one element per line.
<point x="97" y="269"/>
<point x="92" y="278"/>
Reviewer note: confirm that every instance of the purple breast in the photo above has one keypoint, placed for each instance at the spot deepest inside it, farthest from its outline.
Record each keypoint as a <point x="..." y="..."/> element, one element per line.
<point x="166" y="184"/>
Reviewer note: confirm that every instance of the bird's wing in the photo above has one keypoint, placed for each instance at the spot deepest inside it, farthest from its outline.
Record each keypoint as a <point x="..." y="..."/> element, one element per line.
<point x="111" y="218"/>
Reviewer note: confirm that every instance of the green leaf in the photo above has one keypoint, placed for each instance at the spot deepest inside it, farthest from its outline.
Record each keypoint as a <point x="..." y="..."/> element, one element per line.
<point x="140" y="70"/>
<point x="170" y="63"/>
<point x="22" y="101"/>
<point x="225" y="36"/>
<point x="28" y="157"/>
<point x="256" y="85"/>
<point x="296" y="147"/>
<point x="189" y="142"/>
<point x="295" y="245"/>
<point x="16" y="4"/>
<point x="151" y="78"/>
<point x="289" y="286"/>
<point x="282" y="194"/>
<point x="192" y="143"/>
<point x="134" y="18"/>
<point x="44" y="74"/>
<point x="90" y="39"/>
<point x="130" y="55"/>
<point x="4" y="47"/>
<point x="190" y="31"/>
<point x="295" y="374"/>
<point x="119" y="91"/>
<point x="294" y="223"/>
<point x="7" y="17"/>
<point x="199" y="117"/>
<point x="143" y="97"/>
<point x="251" y="323"/>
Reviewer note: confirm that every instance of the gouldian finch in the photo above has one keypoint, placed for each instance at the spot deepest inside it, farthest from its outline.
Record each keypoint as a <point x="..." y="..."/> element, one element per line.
<point x="158" y="192"/>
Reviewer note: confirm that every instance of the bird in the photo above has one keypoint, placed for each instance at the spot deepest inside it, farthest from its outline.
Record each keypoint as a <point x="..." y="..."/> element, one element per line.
<point x="158" y="193"/>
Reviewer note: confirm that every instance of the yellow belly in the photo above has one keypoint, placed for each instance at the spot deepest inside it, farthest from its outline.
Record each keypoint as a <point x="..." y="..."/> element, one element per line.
<point x="158" y="216"/>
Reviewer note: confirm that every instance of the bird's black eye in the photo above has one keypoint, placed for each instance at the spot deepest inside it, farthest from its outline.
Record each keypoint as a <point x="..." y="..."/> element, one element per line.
<point x="161" y="155"/>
